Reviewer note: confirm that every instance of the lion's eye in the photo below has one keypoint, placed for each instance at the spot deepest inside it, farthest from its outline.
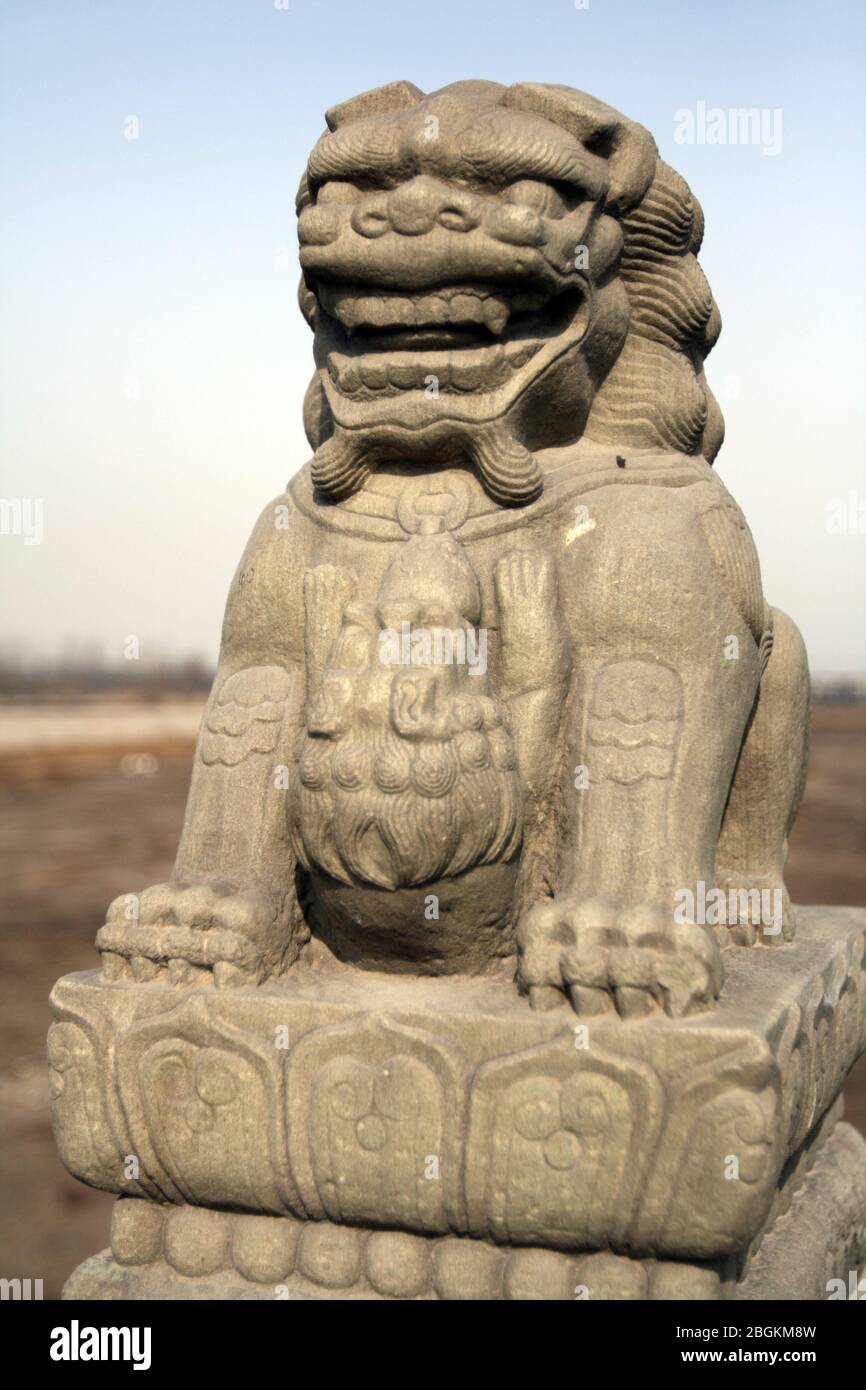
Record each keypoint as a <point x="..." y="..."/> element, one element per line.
<point x="541" y="197"/>
<point x="338" y="191"/>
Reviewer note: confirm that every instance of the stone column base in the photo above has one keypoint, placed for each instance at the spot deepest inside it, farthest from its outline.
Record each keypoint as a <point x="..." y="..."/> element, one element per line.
<point x="818" y="1235"/>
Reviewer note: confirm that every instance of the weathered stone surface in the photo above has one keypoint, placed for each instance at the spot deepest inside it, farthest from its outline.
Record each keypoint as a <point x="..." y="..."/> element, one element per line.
<point x="459" y="988"/>
<point x="816" y="1248"/>
<point x="264" y="1248"/>
<point x="795" y="1260"/>
<point x="500" y="653"/>
<point x="450" y="1106"/>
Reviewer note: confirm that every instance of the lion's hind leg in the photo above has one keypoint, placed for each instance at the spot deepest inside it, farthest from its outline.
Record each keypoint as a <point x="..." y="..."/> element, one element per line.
<point x="765" y="795"/>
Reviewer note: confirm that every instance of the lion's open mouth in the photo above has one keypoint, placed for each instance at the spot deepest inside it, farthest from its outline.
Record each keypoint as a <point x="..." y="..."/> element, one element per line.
<point x="462" y="336"/>
<point x="451" y="313"/>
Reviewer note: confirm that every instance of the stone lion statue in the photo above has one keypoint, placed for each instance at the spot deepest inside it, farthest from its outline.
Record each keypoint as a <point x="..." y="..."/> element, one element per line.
<point x="499" y="690"/>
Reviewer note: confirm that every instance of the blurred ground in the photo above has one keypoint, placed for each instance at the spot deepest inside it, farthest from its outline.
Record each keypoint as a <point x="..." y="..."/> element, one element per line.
<point x="91" y="803"/>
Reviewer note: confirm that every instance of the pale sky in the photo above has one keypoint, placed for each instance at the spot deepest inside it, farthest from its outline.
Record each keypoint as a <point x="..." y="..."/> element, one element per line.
<point x="152" y="357"/>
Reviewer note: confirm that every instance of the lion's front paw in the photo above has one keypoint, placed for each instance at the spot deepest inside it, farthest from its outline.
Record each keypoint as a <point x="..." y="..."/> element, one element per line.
<point x="525" y="583"/>
<point x="192" y="933"/>
<point x="534" y="654"/>
<point x="600" y="953"/>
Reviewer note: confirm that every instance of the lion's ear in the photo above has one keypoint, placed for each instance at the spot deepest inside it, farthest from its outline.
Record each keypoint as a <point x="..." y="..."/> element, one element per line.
<point x="392" y="97"/>
<point x="630" y="150"/>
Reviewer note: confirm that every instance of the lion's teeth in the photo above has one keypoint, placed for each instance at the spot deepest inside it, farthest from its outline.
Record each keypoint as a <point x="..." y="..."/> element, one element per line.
<point x="466" y="376"/>
<point x="463" y="308"/>
<point x="401" y="311"/>
<point x="374" y="373"/>
<point x="343" y="372"/>
<point x="404" y="374"/>
<point x="367" y="310"/>
<point x="457" y="306"/>
<point x="431" y="310"/>
<point x="495" y="315"/>
<point x="347" y="312"/>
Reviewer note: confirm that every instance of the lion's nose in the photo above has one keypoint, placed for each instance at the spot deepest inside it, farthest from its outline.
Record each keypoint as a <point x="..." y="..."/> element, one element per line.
<point x="417" y="207"/>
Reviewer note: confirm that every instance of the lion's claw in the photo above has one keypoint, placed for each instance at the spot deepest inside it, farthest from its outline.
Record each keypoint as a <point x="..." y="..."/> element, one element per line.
<point x="600" y="954"/>
<point x="185" y="934"/>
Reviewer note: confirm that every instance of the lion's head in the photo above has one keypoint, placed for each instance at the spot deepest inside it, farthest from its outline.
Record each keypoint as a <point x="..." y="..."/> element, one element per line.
<point x="494" y="270"/>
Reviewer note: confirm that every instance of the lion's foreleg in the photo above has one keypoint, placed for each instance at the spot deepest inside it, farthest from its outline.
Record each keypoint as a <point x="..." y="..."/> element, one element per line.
<point x="765" y="793"/>
<point x="666" y="674"/>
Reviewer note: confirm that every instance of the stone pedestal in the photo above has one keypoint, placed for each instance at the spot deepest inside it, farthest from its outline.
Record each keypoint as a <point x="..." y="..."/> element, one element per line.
<point x="338" y="1133"/>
